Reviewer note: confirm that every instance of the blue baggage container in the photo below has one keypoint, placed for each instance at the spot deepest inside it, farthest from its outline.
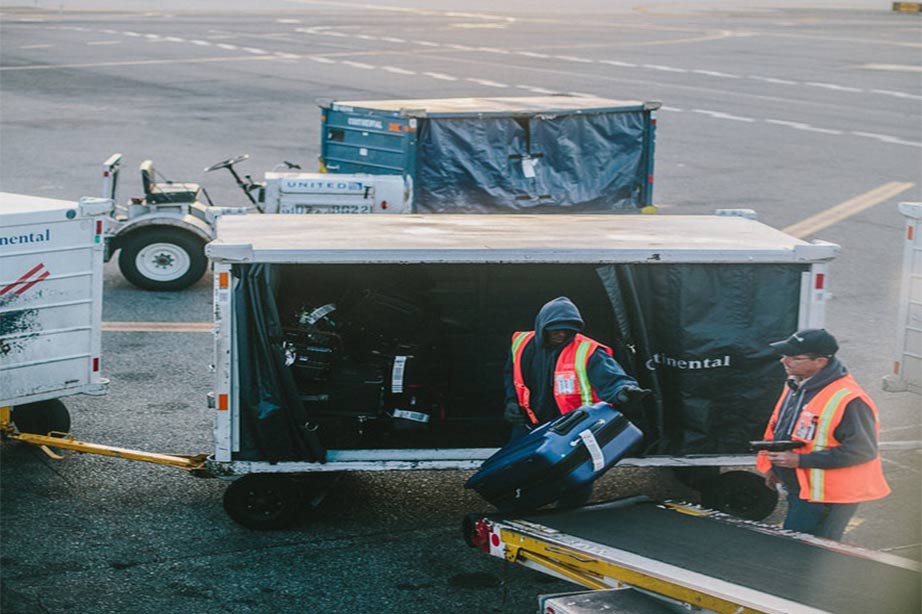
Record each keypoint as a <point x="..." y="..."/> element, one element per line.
<point x="558" y="456"/>
<point x="535" y="154"/>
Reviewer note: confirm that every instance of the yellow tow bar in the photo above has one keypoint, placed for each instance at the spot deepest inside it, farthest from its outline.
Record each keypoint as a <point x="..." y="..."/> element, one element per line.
<point x="66" y="441"/>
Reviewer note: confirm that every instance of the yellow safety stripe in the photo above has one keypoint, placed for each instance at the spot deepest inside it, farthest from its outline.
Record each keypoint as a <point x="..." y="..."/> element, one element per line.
<point x="517" y="341"/>
<point x="821" y="439"/>
<point x="579" y="365"/>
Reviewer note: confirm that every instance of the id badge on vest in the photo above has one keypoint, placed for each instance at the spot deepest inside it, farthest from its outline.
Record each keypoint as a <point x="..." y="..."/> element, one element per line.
<point x="565" y="383"/>
<point x="806" y="426"/>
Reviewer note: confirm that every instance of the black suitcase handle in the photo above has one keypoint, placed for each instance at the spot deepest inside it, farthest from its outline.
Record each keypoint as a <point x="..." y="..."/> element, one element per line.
<point x="570" y="420"/>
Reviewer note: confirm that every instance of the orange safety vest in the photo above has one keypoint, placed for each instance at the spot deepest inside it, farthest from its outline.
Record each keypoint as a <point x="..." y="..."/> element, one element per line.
<point x="815" y="427"/>
<point x="571" y="379"/>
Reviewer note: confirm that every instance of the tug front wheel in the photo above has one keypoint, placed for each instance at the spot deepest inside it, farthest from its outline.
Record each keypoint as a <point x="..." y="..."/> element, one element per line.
<point x="162" y="259"/>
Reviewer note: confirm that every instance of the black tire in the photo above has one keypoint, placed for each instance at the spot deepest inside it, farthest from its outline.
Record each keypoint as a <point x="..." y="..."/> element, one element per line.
<point x="263" y="502"/>
<point x="162" y="259"/>
<point x="740" y="493"/>
<point x="42" y="417"/>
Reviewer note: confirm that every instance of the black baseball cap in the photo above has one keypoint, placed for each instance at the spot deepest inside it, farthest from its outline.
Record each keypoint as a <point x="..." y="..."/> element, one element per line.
<point x="808" y="341"/>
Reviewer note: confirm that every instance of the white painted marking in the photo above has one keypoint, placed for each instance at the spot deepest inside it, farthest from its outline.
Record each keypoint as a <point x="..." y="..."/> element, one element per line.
<point x="492" y="50"/>
<point x="361" y="65"/>
<point x="802" y="126"/>
<point x="393" y="39"/>
<point x="287" y="21"/>
<point x="580" y="95"/>
<point x="461" y="47"/>
<point x="397" y="70"/>
<point x="152" y="36"/>
<point x="885" y="138"/>
<point x="571" y="58"/>
<point x="715" y="73"/>
<point x="832" y="86"/>
<point x="109" y="31"/>
<point x="773" y="80"/>
<point x="438" y="75"/>
<point x="366" y="37"/>
<point x="893" y="67"/>
<point x="129" y="33"/>
<point x="897" y="94"/>
<point x="532" y="54"/>
<point x="664" y="68"/>
<point x="201" y="43"/>
<point x="486" y="82"/>
<point x="255" y="50"/>
<point x="617" y="63"/>
<point x="104" y="43"/>
<point x="227" y="46"/>
<point x="426" y="43"/>
<point x="674" y="109"/>
<point x="321" y="60"/>
<point x="174" y="39"/>
<point x="288" y="56"/>
<point x="333" y="33"/>
<point x="35" y="46"/>
<point x="720" y="115"/>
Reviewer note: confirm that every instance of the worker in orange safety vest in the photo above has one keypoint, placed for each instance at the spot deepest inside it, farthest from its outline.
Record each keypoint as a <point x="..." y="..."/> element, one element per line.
<point x="554" y="369"/>
<point x="825" y="411"/>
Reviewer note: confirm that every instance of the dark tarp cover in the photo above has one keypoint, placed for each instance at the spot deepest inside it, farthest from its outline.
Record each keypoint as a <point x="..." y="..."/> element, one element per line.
<point x="702" y="346"/>
<point x="273" y="420"/>
<point x="583" y="163"/>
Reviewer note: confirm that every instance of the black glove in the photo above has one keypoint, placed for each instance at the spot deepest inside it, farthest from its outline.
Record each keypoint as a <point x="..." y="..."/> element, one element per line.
<point x="513" y="414"/>
<point x="630" y="394"/>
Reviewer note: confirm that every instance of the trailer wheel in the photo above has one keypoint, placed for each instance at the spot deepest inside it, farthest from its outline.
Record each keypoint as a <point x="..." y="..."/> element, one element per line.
<point x="263" y="502"/>
<point x="42" y="417"/>
<point x="162" y="259"/>
<point x="740" y="493"/>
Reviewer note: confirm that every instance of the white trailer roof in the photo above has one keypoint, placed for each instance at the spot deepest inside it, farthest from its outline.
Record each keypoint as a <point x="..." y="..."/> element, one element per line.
<point x="22" y="209"/>
<point x="526" y="105"/>
<point x="469" y="238"/>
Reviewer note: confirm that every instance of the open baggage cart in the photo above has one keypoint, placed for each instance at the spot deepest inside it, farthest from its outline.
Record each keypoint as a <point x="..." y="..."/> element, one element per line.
<point x="378" y="343"/>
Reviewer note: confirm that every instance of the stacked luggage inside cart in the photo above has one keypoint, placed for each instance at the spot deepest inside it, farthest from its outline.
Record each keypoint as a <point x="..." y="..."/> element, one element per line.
<point x="366" y="365"/>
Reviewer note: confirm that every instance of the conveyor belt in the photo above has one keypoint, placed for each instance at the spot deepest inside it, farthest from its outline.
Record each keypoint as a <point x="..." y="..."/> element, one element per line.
<point x="766" y="561"/>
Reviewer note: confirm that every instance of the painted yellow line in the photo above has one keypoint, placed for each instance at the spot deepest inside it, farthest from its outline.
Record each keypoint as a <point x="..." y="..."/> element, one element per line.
<point x="158" y="327"/>
<point x="842" y="211"/>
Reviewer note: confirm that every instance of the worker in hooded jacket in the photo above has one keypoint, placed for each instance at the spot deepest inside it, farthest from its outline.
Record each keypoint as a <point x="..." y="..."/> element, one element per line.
<point x="554" y="369"/>
<point x="824" y="410"/>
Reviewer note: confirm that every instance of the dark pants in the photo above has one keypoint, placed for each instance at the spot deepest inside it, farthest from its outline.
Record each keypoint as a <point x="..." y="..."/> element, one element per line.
<point x="827" y="520"/>
<point x="575" y="497"/>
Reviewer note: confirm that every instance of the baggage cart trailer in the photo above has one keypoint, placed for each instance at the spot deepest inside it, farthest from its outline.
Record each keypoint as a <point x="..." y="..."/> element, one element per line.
<point x="51" y="269"/>
<point x="696" y="560"/>
<point x="689" y="303"/>
<point x="907" y="361"/>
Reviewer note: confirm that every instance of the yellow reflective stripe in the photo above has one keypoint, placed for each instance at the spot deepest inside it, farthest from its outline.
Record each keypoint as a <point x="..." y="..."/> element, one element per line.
<point x="579" y="365"/>
<point x="517" y="341"/>
<point x="821" y="439"/>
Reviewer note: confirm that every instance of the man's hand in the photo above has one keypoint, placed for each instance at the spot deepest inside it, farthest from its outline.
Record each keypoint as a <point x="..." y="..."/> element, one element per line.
<point x="629" y="394"/>
<point x="513" y="414"/>
<point x="771" y="480"/>
<point x="788" y="459"/>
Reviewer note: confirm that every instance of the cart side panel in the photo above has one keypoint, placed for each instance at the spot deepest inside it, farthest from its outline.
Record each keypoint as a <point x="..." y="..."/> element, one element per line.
<point x="50" y="304"/>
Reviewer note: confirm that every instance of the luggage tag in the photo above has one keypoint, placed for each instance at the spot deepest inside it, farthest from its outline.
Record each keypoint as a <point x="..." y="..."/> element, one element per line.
<point x="595" y="451"/>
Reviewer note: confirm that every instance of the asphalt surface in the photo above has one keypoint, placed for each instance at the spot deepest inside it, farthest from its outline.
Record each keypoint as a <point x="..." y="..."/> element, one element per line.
<point x="788" y="108"/>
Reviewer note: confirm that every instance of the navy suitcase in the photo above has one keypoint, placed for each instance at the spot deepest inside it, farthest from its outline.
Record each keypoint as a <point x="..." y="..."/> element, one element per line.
<point x="565" y="453"/>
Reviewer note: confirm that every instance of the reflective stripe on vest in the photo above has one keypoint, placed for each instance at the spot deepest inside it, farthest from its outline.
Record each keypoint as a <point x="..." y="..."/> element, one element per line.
<point x="579" y="365"/>
<point x="821" y="441"/>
